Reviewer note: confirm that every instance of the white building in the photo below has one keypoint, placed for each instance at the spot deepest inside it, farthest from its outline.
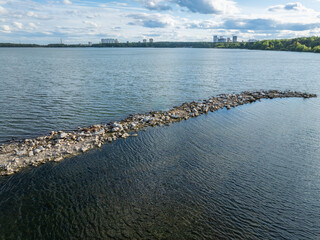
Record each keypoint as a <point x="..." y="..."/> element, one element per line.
<point x="109" y="40"/>
<point x="215" y="38"/>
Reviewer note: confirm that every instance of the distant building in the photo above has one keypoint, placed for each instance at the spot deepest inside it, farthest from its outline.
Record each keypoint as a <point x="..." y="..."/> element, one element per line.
<point x="234" y="39"/>
<point x="252" y="40"/>
<point x="151" y="40"/>
<point x="222" y="39"/>
<point x="109" y="40"/>
<point x="144" y="40"/>
<point x="90" y="43"/>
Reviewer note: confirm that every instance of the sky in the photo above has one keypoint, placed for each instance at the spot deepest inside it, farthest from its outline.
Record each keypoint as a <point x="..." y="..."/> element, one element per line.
<point x="75" y="21"/>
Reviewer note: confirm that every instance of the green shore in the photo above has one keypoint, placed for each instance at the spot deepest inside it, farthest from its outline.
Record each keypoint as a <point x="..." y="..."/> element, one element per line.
<point x="305" y="44"/>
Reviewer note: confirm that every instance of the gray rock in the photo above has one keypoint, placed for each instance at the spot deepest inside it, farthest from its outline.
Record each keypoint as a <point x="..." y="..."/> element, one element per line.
<point x="101" y="132"/>
<point x="20" y="153"/>
<point x="41" y="148"/>
<point x="175" y="116"/>
<point x="84" y="149"/>
<point x="36" y="151"/>
<point x="125" y="135"/>
<point x="115" y="129"/>
<point x="63" y="135"/>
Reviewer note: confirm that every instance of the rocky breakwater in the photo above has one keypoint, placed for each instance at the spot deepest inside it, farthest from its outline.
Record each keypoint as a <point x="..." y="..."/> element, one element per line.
<point x="59" y="145"/>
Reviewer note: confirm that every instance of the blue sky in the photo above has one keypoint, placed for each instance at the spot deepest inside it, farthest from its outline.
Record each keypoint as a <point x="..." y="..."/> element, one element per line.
<point x="75" y="21"/>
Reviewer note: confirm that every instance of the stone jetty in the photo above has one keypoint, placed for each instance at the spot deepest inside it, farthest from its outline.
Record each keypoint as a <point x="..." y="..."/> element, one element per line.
<point x="59" y="145"/>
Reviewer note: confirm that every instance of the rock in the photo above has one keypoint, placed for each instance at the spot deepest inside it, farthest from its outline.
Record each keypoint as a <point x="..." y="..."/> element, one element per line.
<point x="146" y="119"/>
<point x="100" y="132"/>
<point x="58" y="159"/>
<point x="116" y="125"/>
<point x="62" y="135"/>
<point x="20" y="153"/>
<point x="175" y="116"/>
<point x="41" y="148"/>
<point x="36" y="151"/>
<point x="115" y="129"/>
<point x="125" y="135"/>
<point x="70" y="143"/>
<point x="84" y="149"/>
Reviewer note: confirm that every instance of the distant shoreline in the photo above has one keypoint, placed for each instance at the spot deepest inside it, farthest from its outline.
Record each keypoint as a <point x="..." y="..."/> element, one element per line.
<point x="310" y="44"/>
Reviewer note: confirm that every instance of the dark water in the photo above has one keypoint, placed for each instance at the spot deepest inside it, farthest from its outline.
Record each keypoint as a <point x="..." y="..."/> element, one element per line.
<point x="249" y="173"/>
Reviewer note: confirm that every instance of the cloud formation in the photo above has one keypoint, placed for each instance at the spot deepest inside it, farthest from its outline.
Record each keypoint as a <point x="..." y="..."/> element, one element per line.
<point x="46" y="21"/>
<point x="288" y="7"/>
<point x="151" y="20"/>
<point x="67" y="2"/>
<point x="208" y="6"/>
<point x="195" y="6"/>
<point x="2" y="10"/>
<point x="157" y="5"/>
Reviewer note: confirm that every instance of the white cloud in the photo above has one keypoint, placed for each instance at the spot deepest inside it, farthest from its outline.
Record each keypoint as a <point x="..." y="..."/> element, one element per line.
<point x="195" y="6"/>
<point x="152" y="20"/>
<point x="6" y="28"/>
<point x="2" y="10"/>
<point x="164" y="20"/>
<point x="158" y="5"/>
<point x="18" y="25"/>
<point x="90" y="23"/>
<point x="32" y="25"/>
<point x="298" y="7"/>
<point x="209" y="6"/>
<point x="67" y="2"/>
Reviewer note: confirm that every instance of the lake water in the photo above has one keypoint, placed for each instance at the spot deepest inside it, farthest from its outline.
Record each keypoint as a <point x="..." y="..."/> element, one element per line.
<point x="252" y="172"/>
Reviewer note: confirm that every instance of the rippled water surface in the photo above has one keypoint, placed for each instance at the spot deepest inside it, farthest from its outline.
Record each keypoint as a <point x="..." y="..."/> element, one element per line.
<point x="252" y="172"/>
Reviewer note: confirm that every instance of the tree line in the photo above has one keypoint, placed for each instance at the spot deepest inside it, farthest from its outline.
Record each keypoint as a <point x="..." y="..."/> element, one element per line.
<point x="305" y="44"/>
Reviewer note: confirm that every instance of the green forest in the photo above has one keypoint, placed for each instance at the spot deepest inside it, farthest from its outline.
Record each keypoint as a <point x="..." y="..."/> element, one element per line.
<point x="305" y="44"/>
